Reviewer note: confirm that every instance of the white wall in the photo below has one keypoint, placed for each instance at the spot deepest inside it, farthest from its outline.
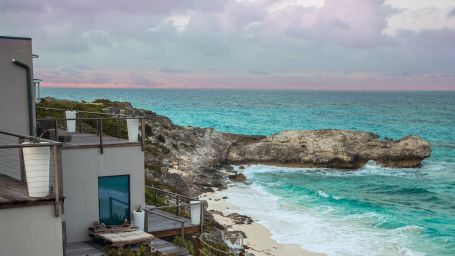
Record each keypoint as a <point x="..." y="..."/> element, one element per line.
<point x="81" y="169"/>
<point x="30" y="230"/>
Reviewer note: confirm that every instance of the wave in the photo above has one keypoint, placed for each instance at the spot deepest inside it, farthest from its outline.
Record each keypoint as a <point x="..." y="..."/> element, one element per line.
<point x="429" y="168"/>
<point x="320" y="209"/>
<point x="325" y="195"/>
<point x="317" y="229"/>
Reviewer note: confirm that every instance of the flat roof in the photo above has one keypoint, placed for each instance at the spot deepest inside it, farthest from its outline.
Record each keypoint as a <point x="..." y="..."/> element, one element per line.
<point x="15" y="37"/>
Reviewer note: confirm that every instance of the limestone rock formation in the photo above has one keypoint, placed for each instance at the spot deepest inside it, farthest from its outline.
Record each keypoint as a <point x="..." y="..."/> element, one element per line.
<point x="331" y="148"/>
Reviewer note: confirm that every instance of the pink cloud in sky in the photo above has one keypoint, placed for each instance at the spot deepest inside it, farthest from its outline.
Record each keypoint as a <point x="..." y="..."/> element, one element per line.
<point x="306" y="81"/>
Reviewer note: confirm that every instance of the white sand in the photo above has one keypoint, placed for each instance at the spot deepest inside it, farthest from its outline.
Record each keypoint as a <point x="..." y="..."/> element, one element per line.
<point x="259" y="238"/>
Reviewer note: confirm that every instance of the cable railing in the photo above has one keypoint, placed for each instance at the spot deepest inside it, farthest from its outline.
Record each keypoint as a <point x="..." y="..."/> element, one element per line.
<point x="23" y="156"/>
<point x="177" y="204"/>
<point x="151" y="211"/>
<point x="53" y="123"/>
<point x="50" y="109"/>
<point x="204" y="248"/>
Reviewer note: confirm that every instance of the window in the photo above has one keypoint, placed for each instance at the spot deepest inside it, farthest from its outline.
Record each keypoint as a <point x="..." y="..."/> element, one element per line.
<point x="114" y="199"/>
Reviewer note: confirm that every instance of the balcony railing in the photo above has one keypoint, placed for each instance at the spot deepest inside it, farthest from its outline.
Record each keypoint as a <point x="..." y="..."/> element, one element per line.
<point x="12" y="161"/>
<point x="110" y="129"/>
<point x="176" y="204"/>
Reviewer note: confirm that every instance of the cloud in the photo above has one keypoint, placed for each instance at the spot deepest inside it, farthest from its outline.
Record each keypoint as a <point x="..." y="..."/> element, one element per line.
<point x="191" y="43"/>
<point x="138" y="79"/>
<point x="257" y="72"/>
<point x="173" y="71"/>
<point x="451" y="13"/>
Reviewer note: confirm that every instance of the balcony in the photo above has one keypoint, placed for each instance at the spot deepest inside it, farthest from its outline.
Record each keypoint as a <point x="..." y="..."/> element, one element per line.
<point x="26" y="177"/>
<point x="89" y="129"/>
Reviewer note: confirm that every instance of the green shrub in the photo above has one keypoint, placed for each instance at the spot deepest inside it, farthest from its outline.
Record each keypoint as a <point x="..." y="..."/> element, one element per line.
<point x="143" y="250"/>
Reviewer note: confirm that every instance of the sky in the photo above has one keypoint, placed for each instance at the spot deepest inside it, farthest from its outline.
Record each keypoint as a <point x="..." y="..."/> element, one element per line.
<point x="241" y="44"/>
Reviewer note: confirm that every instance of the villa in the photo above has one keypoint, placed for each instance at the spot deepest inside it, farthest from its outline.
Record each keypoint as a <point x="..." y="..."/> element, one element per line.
<point x="61" y="173"/>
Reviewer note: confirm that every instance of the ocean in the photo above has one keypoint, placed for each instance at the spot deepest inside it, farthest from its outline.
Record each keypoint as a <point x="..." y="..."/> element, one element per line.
<point x="370" y="211"/>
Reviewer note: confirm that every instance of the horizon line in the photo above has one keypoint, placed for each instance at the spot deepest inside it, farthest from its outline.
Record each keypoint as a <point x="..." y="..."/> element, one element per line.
<point x="241" y="89"/>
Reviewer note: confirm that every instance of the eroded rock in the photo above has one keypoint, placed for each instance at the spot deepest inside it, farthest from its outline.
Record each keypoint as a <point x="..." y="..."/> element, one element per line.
<point x="331" y="148"/>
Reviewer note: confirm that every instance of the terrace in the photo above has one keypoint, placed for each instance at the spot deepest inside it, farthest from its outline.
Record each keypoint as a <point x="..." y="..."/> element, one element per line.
<point x="25" y="174"/>
<point x="172" y="214"/>
<point x="86" y="129"/>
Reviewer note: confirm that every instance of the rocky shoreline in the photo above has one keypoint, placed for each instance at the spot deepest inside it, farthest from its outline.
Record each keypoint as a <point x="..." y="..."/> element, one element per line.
<point x="193" y="160"/>
<point x="189" y="158"/>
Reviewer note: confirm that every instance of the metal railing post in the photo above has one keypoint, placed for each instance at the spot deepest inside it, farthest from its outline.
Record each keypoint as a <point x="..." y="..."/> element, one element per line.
<point x="56" y="180"/>
<point x="143" y="134"/>
<point x="118" y="127"/>
<point x="146" y="222"/>
<point x="202" y="216"/>
<point x="80" y="125"/>
<point x="101" y="134"/>
<point x="177" y="208"/>
<point x="97" y="126"/>
<point x="56" y="129"/>
<point x="22" y="164"/>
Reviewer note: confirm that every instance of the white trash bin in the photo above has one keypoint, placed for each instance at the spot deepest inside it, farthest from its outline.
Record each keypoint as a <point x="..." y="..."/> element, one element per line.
<point x="139" y="219"/>
<point x="37" y="169"/>
<point x="70" y="124"/>
<point x="133" y="129"/>
<point x="195" y="209"/>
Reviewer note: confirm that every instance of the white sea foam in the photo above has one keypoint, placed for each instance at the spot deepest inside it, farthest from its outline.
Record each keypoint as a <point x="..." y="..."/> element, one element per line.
<point x="318" y="230"/>
<point x="429" y="168"/>
<point x="323" y="194"/>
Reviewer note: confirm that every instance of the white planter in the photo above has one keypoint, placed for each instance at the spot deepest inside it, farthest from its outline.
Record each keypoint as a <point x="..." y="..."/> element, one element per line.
<point x="195" y="209"/>
<point x="133" y="129"/>
<point x="70" y="124"/>
<point x="37" y="169"/>
<point x="138" y="219"/>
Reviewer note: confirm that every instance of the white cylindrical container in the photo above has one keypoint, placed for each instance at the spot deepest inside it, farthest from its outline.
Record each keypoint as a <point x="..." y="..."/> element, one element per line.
<point x="133" y="129"/>
<point x="139" y="219"/>
<point x="37" y="166"/>
<point x="195" y="209"/>
<point x="70" y="124"/>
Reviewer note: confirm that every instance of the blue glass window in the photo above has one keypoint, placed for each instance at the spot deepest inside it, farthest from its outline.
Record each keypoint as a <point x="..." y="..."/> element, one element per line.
<point x="114" y="199"/>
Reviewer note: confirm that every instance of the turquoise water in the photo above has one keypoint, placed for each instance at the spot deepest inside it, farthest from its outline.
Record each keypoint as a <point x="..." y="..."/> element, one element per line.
<point x="372" y="211"/>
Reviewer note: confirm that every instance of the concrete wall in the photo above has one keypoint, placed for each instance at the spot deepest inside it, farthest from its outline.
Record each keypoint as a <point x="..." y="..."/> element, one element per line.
<point x="13" y="85"/>
<point x="81" y="169"/>
<point x="31" y="230"/>
<point x="14" y="115"/>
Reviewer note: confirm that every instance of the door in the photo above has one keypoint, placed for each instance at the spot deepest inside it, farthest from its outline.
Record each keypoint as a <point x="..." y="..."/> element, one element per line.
<point x="114" y="199"/>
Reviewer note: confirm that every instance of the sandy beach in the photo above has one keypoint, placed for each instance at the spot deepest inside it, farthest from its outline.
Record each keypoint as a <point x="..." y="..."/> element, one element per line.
<point x="259" y="239"/>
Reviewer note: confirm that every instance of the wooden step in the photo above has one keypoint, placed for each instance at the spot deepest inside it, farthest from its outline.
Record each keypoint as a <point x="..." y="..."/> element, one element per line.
<point x="166" y="247"/>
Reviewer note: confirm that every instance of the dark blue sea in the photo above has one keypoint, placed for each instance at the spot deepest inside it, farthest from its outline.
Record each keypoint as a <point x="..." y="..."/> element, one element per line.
<point x="371" y="211"/>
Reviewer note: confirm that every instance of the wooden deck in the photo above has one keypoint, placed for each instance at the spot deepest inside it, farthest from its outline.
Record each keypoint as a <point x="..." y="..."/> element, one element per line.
<point x="14" y="193"/>
<point x="160" y="226"/>
<point x="92" y="248"/>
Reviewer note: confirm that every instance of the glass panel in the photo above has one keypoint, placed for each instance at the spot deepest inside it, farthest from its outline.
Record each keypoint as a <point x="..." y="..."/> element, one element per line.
<point x="114" y="199"/>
